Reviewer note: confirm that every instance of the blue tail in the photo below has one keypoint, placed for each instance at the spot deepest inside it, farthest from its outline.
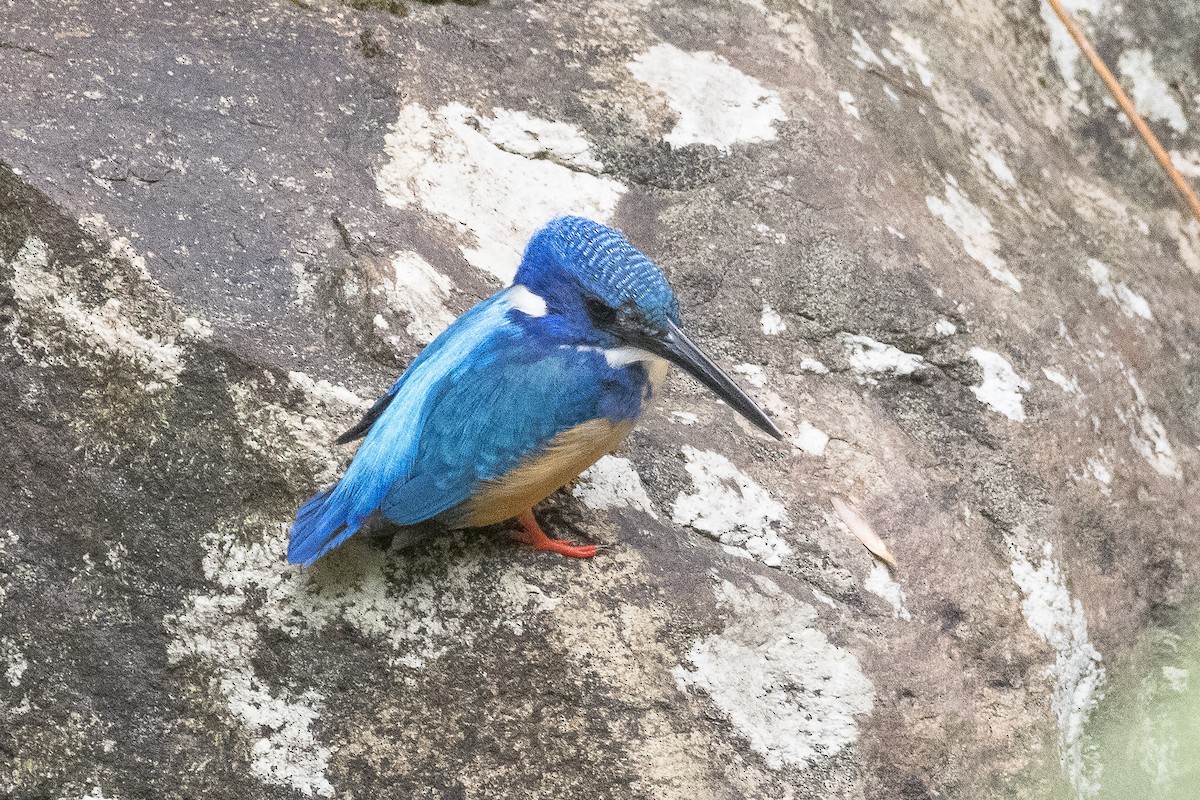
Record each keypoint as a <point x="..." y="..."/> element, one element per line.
<point x="321" y="525"/>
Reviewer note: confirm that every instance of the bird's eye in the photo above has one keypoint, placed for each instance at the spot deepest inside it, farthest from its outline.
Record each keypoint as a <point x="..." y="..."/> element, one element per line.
<point x="601" y="314"/>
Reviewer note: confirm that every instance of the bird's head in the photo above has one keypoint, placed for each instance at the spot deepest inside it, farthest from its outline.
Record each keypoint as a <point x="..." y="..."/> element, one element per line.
<point x="600" y="291"/>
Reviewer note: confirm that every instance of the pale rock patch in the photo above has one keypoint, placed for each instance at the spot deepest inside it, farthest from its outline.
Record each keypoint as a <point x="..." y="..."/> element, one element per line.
<point x="916" y="52"/>
<point x="814" y="366"/>
<point x="880" y="584"/>
<point x="1062" y="47"/>
<point x="685" y="417"/>
<point x="1148" y="435"/>
<point x="1001" y="387"/>
<point x="973" y="227"/>
<point x="13" y="660"/>
<point x="755" y="375"/>
<point x="772" y="323"/>
<point x="780" y="682"/>
<point x="41" y="292"/>
<point x="868" y="357"/>
<point x="716" y="103"/>
<point x="864" y="51"/>
<point x="1077" y="671"/>
<point x="612" y="482"/>
<point x="810" y="439"/>
<point x="731" y="508"/>
<point x="531" y="137"/>
<point x="492" y="197"/>
<point x="1131" y="303"/>
<point x="420" y="293"/>
<point x="986" y="154"/>
<point x="1153" y="97"/>
<point x="848" y="104"/>
<point x="1068" y="385"/>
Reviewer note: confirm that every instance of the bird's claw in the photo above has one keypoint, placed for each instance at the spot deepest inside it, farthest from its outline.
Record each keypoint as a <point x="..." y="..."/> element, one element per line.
<point x="531" y="534"/>
<point x="566" y="548"/>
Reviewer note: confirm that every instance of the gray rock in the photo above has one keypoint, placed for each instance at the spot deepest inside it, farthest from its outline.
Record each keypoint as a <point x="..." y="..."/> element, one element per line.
<point x="919" y="234"/>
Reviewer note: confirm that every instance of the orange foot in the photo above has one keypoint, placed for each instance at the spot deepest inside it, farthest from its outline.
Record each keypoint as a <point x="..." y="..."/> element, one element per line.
<point x="531" y="533"/>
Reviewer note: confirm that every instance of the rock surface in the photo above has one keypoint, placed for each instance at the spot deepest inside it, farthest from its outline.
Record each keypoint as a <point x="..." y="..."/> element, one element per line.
<point x="918" y="232"/>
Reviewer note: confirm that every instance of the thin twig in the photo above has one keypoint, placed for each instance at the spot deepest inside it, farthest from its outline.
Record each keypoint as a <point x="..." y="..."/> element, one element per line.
<point x="1123" y="100"/>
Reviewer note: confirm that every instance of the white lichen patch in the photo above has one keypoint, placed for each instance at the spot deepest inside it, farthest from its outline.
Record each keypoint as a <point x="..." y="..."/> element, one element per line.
<point x="98" y="794"/>
<point x="265" y="425"/>
<point x="814" y="366"/>
<point x="880" y="584"/>
<point x="1176" y="678"/>
<point x="866" y="55"/>
<point x="612" y="482"/>
<point x="61" y="320"/>
<point x="685" y="417"/>
<point x="755" y="375"/>
<point x="217" y="630"/>
<point x="420" y="293"/>
<point x="1098" y="470"/>
<point x="1077" y="671"/>
<point x="1062" y="46"/>
<point x="197" y="328"/>
<point x="285" y="752"/>
<point x="985" y="154"/>
<point x="326" y="393"/>
<point x="13" y="660"/>
<point x="716" y="103"/>
<point x="1068" y="385"/>
<point x="916" y="52"/>
<point x="1153" y="97"/>
<point x="531" y="137"/>
<point x="972" y="226"/>
<point x="944" y="327"/>
<point x="849" y="105"/>
<point x="810" y="439"/>
<point x="772" y="323"/>
<point x="1131" y="303"/>
<point x="1148" y="435"/>
<point x="1187" y="162"/>
<point x="1186" y="231"/>
<point x="494" y="199"/>
<point x="730" y="507"/>
<point x="792" y="694"/>
<point x="416" y="608"/>
<point x="868" y="357"/>
<point x="1001" y="387"/>
<point x="1151" y="443"/>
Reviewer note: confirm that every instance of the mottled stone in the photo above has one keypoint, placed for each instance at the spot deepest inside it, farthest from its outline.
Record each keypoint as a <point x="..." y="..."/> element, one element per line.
<point x="930" y="248"/>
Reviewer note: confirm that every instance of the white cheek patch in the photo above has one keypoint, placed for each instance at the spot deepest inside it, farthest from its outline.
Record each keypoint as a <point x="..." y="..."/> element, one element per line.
<point x="624" y="356"/>
<point x="525" y="301"/>
<point x="617" y="357"/>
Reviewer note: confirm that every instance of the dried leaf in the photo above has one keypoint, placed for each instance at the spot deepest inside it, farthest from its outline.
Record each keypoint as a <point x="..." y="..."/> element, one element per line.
<point x="863" y="530"/>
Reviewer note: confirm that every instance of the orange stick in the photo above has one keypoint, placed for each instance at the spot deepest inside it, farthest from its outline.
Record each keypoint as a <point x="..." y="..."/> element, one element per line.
<point x="1123" y="100"/>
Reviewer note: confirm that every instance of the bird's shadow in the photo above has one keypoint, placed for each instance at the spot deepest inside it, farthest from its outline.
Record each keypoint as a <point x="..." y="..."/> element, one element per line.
<point x="434" y="546"/>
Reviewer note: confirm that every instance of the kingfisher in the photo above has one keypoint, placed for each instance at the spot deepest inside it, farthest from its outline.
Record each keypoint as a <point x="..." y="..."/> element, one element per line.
<point x="518" y="396"/>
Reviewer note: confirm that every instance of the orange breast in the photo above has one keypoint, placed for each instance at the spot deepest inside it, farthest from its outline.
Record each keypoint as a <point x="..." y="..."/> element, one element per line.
<point x="535" y="479"/>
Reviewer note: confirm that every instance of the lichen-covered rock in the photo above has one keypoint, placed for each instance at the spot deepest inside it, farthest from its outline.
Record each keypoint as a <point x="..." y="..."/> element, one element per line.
<point x="917" y="232"/>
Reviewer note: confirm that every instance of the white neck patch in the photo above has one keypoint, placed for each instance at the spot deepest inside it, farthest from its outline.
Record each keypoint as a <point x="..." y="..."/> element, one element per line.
<point x="525" y="301"/>
<point x="625" y="355"/>
<point x="617" y="357"/>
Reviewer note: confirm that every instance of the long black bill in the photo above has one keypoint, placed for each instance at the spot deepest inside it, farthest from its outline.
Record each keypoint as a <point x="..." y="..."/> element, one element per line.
<point x="677" y="348"/>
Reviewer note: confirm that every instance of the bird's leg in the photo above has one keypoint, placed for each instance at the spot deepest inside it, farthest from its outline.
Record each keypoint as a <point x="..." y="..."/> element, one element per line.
<point x="532" y="534"/>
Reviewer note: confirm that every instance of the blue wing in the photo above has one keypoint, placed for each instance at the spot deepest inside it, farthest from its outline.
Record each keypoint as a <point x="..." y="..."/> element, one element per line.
<point x="391" y="445"/>
<point x="493" y="413"/>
